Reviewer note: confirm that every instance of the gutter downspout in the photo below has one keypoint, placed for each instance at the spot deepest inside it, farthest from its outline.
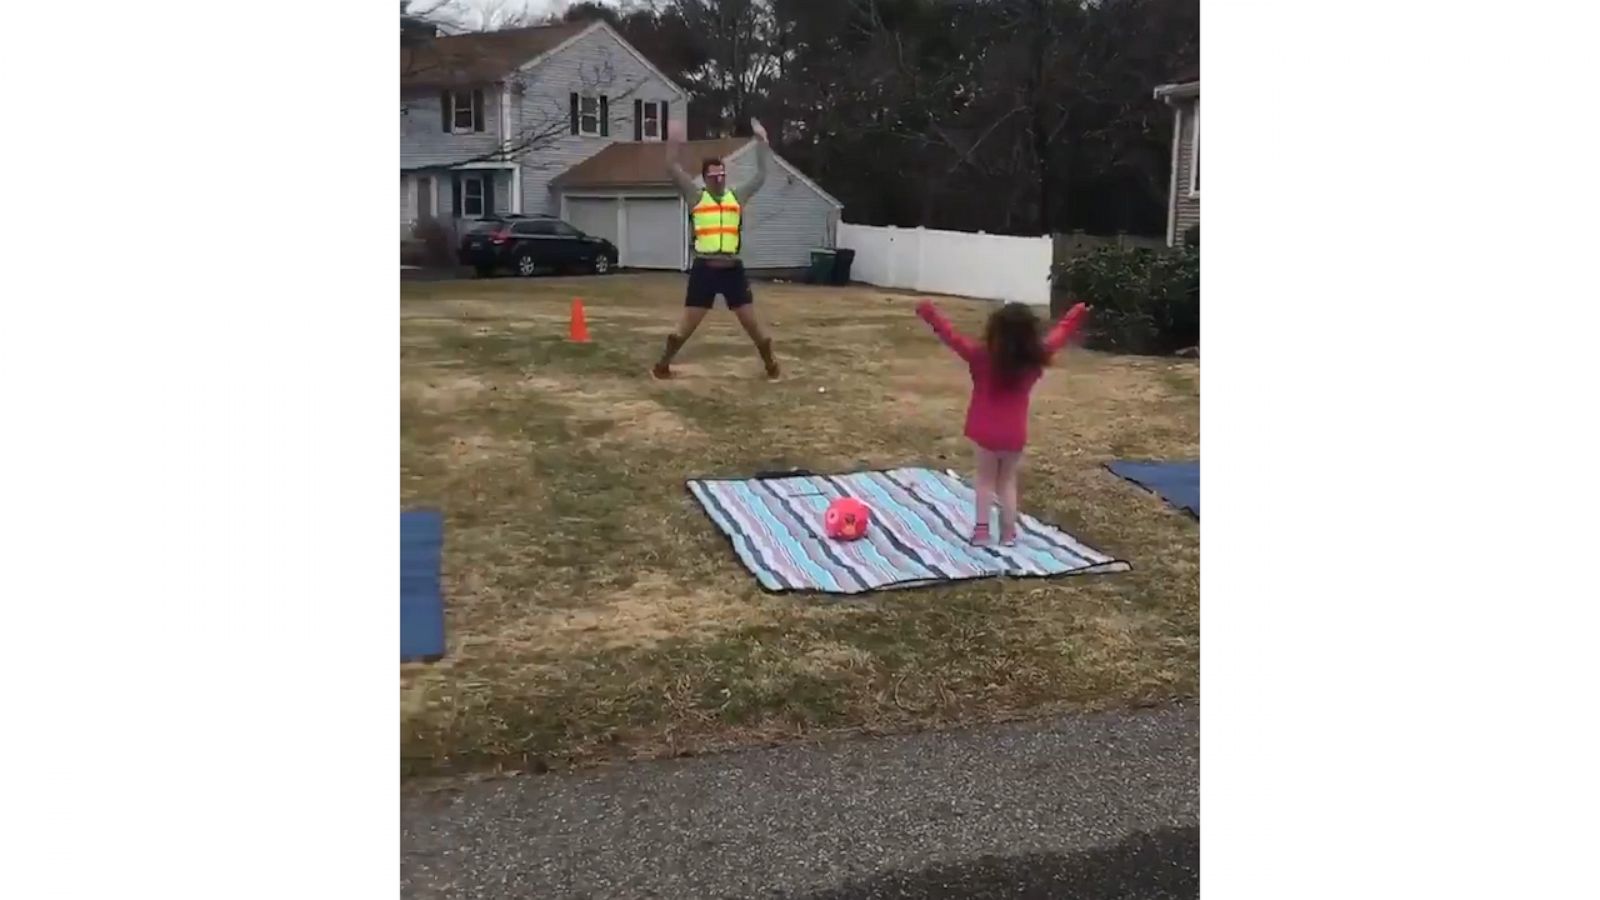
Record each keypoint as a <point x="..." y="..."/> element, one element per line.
<point x="1167" y="93"/>
<point x="505" y="147"/>
<point x="1172" y="178"/>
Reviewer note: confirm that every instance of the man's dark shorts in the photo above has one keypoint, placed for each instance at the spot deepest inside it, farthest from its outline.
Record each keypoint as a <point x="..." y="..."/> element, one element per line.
<point x="707" y="281"/>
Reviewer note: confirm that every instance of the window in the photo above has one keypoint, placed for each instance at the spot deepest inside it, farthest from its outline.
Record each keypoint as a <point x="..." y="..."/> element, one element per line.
<point x="466" y="111"/>
<point x="472" y="189"/>
<point x="537" y="226"/>
<point x="1194" y="155"/>
<point x="652" y="119"/>
<point x="589" y="116"/>
<point x="562" y="229"/>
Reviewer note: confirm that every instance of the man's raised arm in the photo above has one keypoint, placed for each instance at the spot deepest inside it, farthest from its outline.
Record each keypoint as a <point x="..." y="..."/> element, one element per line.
<point x="763" y="161"/>
<point x="683" y="180"/>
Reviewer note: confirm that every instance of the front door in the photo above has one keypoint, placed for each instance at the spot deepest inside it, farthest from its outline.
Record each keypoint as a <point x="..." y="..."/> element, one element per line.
<point x="424" y="197"/>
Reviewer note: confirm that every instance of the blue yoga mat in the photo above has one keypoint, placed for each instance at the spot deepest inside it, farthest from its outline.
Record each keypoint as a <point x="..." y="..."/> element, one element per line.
<point x="421" y="600"/>
<point x="1177" y="481"/>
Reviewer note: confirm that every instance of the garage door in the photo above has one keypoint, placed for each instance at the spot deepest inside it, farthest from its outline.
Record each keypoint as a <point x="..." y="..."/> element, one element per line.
<point x="594" y="216"/>
<point x="656" y="233"/>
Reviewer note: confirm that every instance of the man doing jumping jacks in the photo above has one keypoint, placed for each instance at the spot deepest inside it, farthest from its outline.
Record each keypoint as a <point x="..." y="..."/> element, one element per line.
<point x="716" y="215"/>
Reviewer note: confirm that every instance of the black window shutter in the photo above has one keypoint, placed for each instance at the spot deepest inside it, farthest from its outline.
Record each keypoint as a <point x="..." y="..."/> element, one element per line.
<point x="638" y="120"/>
<point x="477" y="110"/>
<point x="664" y="107"/>
<point x="488" y="194"/>
<point x="574" y="98"/>
<point x="444" y="110"/>
<point x="455" y="195"/>
<point x="605" y="118"/>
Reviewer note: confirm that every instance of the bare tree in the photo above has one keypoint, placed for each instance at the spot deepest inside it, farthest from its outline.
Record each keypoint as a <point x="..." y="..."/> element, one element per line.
<point x="929" y="90"/>
<point x="737" y="39"/>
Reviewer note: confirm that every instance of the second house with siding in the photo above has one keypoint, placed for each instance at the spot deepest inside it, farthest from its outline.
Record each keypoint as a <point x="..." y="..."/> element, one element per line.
<point x="571" y="120"/>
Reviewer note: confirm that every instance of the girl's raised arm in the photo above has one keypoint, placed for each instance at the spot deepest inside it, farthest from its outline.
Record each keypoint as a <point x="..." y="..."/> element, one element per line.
<point x="964" y="346"/>
<point x="1066" y="328"/>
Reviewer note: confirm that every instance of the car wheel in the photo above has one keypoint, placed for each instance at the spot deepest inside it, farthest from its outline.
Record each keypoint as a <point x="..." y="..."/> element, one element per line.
<point x="526" y="265"/>
<point x="602" y="264"/>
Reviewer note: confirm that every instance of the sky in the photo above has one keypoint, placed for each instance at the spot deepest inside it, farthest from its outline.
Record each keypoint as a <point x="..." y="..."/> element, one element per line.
<point x="473" y="13"/>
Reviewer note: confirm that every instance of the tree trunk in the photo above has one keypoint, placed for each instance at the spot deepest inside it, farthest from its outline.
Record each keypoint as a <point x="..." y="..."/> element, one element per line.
<point x="1041" y="154"/>
<point x="1042" y="36"/>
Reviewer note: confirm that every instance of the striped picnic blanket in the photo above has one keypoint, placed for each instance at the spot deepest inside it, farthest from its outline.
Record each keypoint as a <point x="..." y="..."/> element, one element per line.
<point x="921" y="520"/>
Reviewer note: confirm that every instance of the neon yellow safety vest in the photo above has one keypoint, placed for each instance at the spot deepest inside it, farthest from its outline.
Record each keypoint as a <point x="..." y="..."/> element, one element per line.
<point x="716" y="223"/>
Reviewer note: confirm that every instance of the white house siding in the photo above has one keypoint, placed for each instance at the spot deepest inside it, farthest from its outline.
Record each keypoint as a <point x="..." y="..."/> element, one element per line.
<point x="786" y="219"/>
<point x="502" y="191"/>
<point x="423" y="140"/>
<point x="408" y="202"/>
<point x="1186" y="209"/>
<point x="446" y="195"/>
<point x="599" y="62"/>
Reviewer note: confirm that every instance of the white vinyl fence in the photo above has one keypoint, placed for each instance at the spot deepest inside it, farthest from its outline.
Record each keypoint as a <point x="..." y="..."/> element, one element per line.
<point x="987" y="266"/>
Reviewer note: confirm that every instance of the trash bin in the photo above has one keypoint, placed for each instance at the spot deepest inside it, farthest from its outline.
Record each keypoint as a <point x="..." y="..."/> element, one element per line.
<point x="822" y="266"/>
<point x="842" y="258"/>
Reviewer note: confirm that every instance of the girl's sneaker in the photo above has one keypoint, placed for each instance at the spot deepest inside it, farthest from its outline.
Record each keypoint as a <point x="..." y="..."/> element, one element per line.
<point x="1008" y="538"/>
<point x="980" y="534"/>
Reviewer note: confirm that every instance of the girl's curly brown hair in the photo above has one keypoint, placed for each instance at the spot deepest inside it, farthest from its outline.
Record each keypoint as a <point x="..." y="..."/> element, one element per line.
<point x="1015" y="343"/>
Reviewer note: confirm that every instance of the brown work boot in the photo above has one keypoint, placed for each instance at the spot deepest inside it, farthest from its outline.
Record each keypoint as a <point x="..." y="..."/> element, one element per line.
<point x="764" y="347"/>
<point x="663" y="367"/>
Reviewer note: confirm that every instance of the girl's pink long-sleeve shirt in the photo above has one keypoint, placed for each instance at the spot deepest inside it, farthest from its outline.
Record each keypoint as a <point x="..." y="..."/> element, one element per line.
<point x="997" y="415"/>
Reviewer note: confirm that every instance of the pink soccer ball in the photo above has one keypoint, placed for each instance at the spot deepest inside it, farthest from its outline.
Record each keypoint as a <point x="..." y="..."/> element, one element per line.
<point x="846" y="519"/>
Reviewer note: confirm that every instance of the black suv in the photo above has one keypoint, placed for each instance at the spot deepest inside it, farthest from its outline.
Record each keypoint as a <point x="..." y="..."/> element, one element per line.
<point x="527" y="244"/>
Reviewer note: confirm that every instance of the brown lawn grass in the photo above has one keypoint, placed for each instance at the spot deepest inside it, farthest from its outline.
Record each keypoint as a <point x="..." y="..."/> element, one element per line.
<point x="594" y="612"/>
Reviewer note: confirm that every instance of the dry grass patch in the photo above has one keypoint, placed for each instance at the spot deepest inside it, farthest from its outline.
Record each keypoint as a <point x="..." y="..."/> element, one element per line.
<point x="592" y="609"/>
<point x="646" y="613"/>
<point x="444" y="390"/>
<point x="614" y="411"/>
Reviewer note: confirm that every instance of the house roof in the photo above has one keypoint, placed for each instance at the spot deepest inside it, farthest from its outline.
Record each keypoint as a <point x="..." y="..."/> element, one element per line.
<point x="625" y="165"/>
<point x="1185" y="84"/>
<point x="1174" y="92"/>
<point x="462" y="59"/>
<point x="478" y="58"/>
<point x="644" y="164"/>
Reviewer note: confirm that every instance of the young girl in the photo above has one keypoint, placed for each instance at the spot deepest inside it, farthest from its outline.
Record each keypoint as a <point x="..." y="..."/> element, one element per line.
<point x="1004" y="369"/>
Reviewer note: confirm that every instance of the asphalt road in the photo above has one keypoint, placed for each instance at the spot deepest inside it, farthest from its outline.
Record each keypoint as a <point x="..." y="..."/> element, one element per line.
<point x="1103" y="806"/>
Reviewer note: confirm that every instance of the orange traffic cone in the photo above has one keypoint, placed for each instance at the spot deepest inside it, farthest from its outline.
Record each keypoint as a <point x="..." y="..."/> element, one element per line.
<point x="578" y="330"/>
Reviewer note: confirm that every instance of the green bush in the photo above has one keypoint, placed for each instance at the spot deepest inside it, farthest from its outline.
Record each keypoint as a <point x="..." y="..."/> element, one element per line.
<point x="1145" y="301"/>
